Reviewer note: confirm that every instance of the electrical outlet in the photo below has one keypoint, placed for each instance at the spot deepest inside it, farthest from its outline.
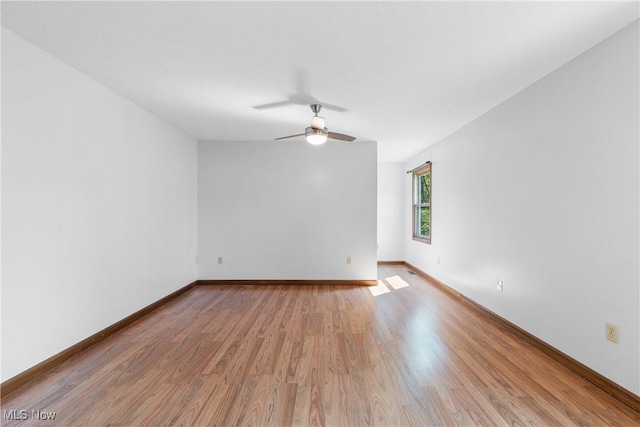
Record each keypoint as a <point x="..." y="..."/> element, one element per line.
<point x="499" y="286"/>
<point x="219" y="260"/>
<point x="348" y="260"/>
<point x="612" y="332"/>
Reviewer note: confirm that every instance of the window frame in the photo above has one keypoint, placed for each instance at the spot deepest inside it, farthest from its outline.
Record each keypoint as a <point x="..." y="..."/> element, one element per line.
<point x="415" y="206"/>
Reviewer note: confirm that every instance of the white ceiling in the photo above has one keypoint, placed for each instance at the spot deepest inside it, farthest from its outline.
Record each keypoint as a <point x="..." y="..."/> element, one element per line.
<point x="407" y="73"/>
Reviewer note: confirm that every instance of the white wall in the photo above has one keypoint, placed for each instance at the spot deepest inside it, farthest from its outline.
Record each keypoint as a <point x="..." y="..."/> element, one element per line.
<point x="542" y="192"/>
<point x="287" y="210"/>
<point x="391" y="178"/>
<point x="98" y="207"/>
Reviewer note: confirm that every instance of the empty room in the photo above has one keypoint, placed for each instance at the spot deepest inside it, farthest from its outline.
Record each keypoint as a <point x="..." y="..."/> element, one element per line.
<point x="320" y="213"/>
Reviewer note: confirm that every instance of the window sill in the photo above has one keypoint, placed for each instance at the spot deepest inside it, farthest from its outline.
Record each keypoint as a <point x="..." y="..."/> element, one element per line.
<point x="426" y="240"/>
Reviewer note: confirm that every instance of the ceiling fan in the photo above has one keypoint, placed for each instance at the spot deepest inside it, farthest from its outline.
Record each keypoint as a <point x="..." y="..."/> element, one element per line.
<point x="317" y="133"/>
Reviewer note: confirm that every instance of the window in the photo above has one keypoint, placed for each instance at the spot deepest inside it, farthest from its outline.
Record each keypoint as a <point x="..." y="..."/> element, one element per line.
<point x="422" y="203"/>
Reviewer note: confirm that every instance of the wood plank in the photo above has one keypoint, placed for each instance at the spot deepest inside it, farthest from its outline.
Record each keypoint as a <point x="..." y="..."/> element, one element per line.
<point x="320" y="354"/>
<point x="33" y="373"/>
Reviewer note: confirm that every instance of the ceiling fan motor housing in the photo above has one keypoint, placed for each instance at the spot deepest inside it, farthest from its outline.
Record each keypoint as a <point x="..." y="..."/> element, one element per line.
<point x="312" y="131"/>
<point x="317" y="122"/>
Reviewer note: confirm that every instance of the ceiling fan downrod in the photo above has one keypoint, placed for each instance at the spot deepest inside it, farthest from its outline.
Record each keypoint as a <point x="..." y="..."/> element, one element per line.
<point x="316" y="108"/>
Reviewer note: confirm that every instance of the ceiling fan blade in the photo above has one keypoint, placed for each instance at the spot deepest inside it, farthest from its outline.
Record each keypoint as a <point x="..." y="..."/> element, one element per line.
<point x="333" y="107"/>
<point x="290" y="136"/>
<point x="273" y="105"/>
<point x="341" y="137"/>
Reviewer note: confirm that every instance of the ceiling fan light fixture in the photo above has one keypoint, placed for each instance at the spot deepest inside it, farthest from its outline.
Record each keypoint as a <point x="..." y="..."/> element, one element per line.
<point x="316" y="136"/>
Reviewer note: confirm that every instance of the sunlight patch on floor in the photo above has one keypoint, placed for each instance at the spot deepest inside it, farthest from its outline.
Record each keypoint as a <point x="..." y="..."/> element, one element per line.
<point x="396" y="282"/>
<point x="379" y="289"/>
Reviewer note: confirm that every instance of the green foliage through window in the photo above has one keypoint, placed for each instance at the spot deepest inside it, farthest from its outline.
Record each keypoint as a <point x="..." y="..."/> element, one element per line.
<point x="424" y="221"/>
<point x="425" y="186"/>
<point x="422" y="203"/>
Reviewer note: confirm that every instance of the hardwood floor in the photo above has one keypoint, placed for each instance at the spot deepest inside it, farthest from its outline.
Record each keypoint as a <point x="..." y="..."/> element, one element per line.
<point x="314" y="355"/>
